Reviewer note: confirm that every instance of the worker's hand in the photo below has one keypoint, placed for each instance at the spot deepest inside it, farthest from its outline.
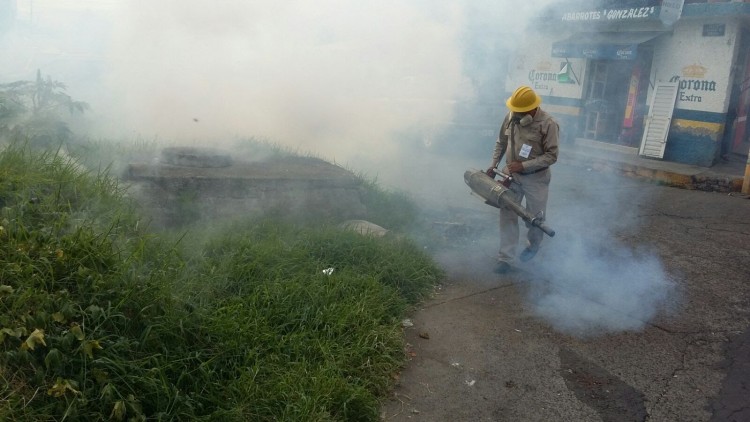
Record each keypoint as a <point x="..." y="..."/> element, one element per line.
<point x="490" y="172"/>
<point x="515" y="167"/>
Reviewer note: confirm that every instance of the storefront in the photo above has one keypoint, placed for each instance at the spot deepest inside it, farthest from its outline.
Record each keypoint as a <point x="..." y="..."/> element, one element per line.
<point x="606" y="73"/>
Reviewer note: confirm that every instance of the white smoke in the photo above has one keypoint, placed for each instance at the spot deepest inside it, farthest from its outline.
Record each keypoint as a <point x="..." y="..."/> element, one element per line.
<point x="336" y="78"/>
<point x="331" y="77"/>
<point x="591" y="278"/>
<point x="343" y="80"/>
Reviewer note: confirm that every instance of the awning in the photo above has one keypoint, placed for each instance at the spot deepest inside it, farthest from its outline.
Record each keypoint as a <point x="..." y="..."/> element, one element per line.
<point x="603" y="45"/>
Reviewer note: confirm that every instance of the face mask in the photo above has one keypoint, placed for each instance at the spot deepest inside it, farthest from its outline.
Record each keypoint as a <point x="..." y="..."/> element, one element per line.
<point x="526" y="120"/>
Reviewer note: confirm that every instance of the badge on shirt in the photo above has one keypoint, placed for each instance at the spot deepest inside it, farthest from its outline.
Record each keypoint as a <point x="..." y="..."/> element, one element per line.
<point x="525" y="151"/>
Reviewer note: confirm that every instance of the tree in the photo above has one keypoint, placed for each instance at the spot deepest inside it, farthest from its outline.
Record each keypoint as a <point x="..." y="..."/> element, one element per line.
<point x="36" y="109"/>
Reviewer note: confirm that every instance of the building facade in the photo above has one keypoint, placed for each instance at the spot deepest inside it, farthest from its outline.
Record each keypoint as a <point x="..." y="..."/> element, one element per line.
<point x="629" y="75"/>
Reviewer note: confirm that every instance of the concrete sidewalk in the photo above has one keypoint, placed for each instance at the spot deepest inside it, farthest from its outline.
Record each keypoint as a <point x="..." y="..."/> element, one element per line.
<point x="580" y="333"/>
<point x="725" y="176"/>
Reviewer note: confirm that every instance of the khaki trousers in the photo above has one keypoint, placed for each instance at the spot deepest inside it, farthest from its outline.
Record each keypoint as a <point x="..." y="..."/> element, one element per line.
<point x="535" y="188"/>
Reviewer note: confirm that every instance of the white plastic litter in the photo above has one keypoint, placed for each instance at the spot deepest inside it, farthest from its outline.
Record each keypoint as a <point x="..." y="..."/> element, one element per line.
<point x="328" y="271"/>
<point x="407" y="323"/>
<point x="364" y="228"/>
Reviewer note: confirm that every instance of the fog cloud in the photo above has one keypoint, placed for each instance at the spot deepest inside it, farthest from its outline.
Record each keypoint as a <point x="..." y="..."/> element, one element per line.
<point x="365" y="84"/>
<point x="327" y="77"/>
<point x="597" y="274"/>
<point x="336" y="78"/>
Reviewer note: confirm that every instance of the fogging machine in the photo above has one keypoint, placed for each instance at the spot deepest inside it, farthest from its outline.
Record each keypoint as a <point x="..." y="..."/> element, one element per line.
<point x="499" y="194"/>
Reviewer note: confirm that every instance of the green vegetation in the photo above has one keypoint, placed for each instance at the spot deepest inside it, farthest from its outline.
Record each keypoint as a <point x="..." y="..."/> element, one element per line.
<point x="389" y="209"/>
<point x="35" y="110"/>
<point x="101" y="319"/>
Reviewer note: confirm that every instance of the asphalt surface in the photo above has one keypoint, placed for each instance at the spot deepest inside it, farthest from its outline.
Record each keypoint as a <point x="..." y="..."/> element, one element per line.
<point x="637" y="310"/>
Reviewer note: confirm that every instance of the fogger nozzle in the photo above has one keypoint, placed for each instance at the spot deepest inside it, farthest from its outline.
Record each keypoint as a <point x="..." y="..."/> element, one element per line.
<point x="498" y="196"/>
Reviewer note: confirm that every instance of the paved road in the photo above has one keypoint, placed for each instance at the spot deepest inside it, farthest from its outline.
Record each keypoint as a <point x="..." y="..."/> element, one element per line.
<point x="638" y="310"/>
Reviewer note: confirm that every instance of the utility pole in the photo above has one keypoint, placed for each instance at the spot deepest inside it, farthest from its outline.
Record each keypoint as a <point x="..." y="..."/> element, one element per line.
<point x="746" y="181"/>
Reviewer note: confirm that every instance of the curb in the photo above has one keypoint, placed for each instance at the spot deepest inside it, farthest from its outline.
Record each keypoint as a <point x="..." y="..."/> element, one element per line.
<point x="708" y="181"/>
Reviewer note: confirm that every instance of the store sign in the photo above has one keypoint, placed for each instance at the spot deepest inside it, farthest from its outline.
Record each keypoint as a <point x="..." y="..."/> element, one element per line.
<point x="714" y="29"/>
<point x="635" y="13"/>
<point x="671" y="11"/>
<point x="566" y="75"/>
<point x="597" y="51"/>
<point x="693" y="85"/>
<point x="542" y="77"/>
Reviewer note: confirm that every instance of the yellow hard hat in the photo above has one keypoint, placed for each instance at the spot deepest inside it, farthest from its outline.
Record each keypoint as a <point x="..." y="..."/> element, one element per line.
<point x="523" y="99"/>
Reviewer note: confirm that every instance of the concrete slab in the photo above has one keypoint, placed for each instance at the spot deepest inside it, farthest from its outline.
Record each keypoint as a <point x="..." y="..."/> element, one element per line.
<point x="174" y="195"/>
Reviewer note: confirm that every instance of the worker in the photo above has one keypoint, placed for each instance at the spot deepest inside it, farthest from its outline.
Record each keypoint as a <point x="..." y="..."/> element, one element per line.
<point x="529" y="140"/>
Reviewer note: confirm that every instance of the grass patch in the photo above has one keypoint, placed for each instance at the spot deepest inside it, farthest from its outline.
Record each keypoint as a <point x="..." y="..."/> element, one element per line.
<point x="102" y="320"/>
<point x="392" y="209"/>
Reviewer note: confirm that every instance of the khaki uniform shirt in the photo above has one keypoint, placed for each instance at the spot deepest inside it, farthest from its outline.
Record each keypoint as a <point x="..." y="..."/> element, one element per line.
<point x="534" y="145"/>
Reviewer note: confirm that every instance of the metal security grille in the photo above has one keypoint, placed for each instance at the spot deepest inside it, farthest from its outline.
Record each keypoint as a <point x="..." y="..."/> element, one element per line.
<point x="659" y="119"/>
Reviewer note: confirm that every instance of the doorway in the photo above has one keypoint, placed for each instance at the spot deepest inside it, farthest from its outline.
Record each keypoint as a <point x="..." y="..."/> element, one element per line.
<point x="737" y="134"/>
<point x="615" y="99"/>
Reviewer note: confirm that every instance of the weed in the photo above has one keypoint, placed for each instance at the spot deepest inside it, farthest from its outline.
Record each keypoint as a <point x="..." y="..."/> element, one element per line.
<point x="102" y="320"/>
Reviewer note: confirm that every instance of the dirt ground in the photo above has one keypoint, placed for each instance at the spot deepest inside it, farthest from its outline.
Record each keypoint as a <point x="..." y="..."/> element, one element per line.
<point x="487" y="347"/>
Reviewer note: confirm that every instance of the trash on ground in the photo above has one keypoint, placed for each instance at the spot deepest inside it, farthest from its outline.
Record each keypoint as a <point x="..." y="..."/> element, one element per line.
<point x="364" y="228"/>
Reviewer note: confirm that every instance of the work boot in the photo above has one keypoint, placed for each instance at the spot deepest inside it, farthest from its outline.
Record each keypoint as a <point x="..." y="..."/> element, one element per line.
<point x="528" y="253"/>
<point x="501" y="267"/>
